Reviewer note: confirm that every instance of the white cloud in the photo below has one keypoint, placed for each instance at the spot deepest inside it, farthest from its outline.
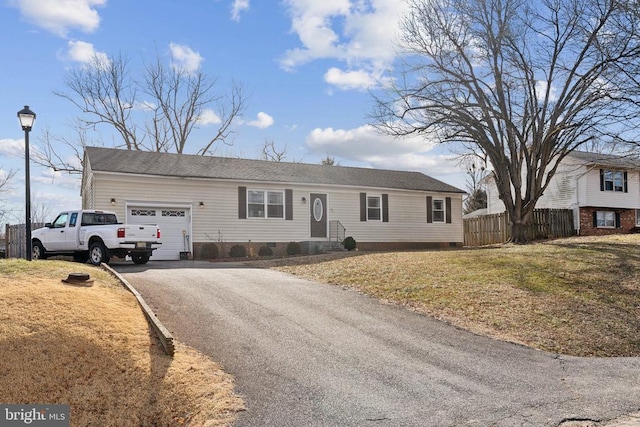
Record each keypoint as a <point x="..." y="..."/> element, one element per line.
<point x="262" y="121"/>
<point x="541" y="91"/>
<point x="85" y="53"/>
<point x="61" y="16"/>
<point x="359" y="33"/>
<point x="366" y="145"/>
<point x="346" y="80"/>
<point x="238" y="7"/>
<point x="184" y="58"/>
<point x="208" y="117"/>
<point x="12" y="147"/>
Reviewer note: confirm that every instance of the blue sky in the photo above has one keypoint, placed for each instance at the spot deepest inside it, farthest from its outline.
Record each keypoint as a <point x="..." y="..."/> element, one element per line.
<point x="307" y="65"/>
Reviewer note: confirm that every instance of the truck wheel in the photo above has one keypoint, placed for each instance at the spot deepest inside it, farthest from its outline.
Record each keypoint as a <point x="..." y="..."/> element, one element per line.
<point x="140" y="258"/>
<point x="98" y="253"/>
<point x="37" y="251"/>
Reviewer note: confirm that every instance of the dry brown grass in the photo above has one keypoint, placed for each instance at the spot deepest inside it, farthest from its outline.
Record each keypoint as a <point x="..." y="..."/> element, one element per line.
<point x="577" y="296"/>
<point x="91" y="348"/>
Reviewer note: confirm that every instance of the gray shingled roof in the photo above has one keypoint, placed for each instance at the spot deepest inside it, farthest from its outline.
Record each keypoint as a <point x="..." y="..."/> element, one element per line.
<point x="611" y="160"/>
<point x="184" y="165"/>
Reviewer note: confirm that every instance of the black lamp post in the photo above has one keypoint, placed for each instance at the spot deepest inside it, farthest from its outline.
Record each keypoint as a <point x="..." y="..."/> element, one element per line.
<point x="27" y="117"/>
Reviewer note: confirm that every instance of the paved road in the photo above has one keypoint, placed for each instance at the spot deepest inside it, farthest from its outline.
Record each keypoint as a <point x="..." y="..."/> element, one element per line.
<point x="310" y="354"/>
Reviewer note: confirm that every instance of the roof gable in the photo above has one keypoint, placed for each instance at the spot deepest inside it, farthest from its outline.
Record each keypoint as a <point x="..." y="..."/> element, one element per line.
<point x="192" y="166"/>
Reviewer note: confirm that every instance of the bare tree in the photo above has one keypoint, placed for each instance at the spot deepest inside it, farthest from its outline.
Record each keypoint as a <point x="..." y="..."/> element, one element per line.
<point x="329" y="161"/>
<point x="477" y="198"/>
<point x="518" y="82"/>
<point x="5" y="186"/>
<point x="40" y="213"/>
<point x="155" y="112"/>
<point x="48" y="154"/>
<point x="270" y="152"/>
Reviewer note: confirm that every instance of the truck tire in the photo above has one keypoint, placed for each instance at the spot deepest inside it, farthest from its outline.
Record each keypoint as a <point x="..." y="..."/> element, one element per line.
<point x="37" y="251"/>
<point x="98" y="253"/>
<point x="140" y="258"/>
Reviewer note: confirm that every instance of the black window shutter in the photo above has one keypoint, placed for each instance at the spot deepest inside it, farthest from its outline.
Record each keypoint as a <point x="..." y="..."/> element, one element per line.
<point x="601" y="179"/>
<point x="448" y="207"/>
<point x="429" y="209"/>
<point x="385" y="208"/>
<point x="242" y="202"/>
<point x="617" y="219"/>
<point x="363" y="206"/>
<point x="288" y="204"/>
<point x="626" y="190"/>
<point x="595" y="219"/>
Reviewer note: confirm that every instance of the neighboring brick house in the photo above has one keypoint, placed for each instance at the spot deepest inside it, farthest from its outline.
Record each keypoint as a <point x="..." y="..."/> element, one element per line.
<point x="603" y="190"/>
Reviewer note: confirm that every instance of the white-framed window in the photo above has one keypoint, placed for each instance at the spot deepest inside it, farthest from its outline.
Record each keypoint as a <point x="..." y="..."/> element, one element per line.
<point x="613" y="180"/>
<point x="374" y="208"/>
<point x="605" y="219"/>
<point x="438" y="210"/>
<point x="265" y="204"/>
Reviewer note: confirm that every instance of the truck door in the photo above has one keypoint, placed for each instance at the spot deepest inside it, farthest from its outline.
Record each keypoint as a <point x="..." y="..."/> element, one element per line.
<point x="56" y="239"/>
<point x="70" y="236"/>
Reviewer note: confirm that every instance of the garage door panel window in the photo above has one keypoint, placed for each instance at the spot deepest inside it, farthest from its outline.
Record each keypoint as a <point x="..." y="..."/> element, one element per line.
<point x="143" y="212"/>
<point x="265" y="204"/>
<point x="179" y="213"/>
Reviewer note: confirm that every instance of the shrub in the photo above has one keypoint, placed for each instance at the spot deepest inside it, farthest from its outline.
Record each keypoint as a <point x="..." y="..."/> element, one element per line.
<point x="238" y="251"/>
<point x="265" y="251"/>
<point x="293" y="248"/>
<point x="349" y="243"/>
<point x="209" y="251"/>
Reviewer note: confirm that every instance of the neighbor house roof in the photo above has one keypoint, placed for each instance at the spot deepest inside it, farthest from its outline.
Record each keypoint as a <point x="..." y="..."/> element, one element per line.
<point x="193" y="166"/>
<point x="611" y="160"/>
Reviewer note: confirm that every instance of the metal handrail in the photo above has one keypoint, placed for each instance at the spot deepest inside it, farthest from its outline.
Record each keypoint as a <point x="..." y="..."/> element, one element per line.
<point x="337" y="231"/>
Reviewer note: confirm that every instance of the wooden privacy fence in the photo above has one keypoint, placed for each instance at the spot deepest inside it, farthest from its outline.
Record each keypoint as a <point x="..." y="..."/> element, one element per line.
<point x="15" y="239"/>
<point x="492" y="229"/>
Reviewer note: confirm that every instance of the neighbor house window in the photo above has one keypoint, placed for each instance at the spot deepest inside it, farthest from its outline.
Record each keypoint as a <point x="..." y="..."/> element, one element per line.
<point x="438" y="210"/>
<point x="374" y="208"/>
<point x="265" y="204"/>
<point x="606" y="219"/>
<point x="612" y="180"/>
<point x="637" y="217"/>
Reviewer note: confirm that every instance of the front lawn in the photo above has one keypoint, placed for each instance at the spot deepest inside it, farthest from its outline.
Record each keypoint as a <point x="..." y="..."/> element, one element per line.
<point x="577" y="296"/>
<point x="91" y="348"/>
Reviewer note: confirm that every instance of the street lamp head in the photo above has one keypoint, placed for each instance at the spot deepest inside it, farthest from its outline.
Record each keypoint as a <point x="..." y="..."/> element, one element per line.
<point x="26" y="117"/>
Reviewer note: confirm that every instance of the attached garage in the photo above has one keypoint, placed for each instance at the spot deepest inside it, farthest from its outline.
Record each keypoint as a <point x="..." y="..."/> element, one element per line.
<point x="175" y="226"/>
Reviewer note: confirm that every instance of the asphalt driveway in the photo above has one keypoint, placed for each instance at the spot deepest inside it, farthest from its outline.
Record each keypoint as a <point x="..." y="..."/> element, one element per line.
<point x="310" y="354"/>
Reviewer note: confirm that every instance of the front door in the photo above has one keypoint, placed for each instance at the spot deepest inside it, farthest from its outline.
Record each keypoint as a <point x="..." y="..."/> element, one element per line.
<point x="318" y="215"/>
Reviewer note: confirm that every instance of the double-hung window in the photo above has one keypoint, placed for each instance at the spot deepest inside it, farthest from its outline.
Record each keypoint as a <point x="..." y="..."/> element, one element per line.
<point x="613" y="180"/>
<point x="606" y="219"/>
<point x="438" y="210"/>
<point x="265" y="204"/>
<point x="374" y="208"/>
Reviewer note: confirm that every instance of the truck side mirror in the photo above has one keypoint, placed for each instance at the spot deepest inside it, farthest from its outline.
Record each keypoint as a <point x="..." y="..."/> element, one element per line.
<point x="48" y="225"/>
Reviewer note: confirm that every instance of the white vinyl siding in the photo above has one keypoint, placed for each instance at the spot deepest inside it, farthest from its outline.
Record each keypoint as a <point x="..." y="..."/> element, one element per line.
<point x="218" y="221"/>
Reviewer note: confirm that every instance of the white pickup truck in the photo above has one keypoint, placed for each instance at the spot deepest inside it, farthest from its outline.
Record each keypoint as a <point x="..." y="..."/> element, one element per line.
<point x="95" y="236"/>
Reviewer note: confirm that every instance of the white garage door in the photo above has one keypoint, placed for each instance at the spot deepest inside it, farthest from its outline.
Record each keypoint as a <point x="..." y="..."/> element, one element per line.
<point x="172" y="222"/>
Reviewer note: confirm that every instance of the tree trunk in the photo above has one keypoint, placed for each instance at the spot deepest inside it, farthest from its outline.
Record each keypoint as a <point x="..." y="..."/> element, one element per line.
<point x="518" y="232"/>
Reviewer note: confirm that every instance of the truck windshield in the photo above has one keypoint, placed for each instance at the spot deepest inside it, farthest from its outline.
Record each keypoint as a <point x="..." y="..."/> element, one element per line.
<point x="97" y="218"/>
